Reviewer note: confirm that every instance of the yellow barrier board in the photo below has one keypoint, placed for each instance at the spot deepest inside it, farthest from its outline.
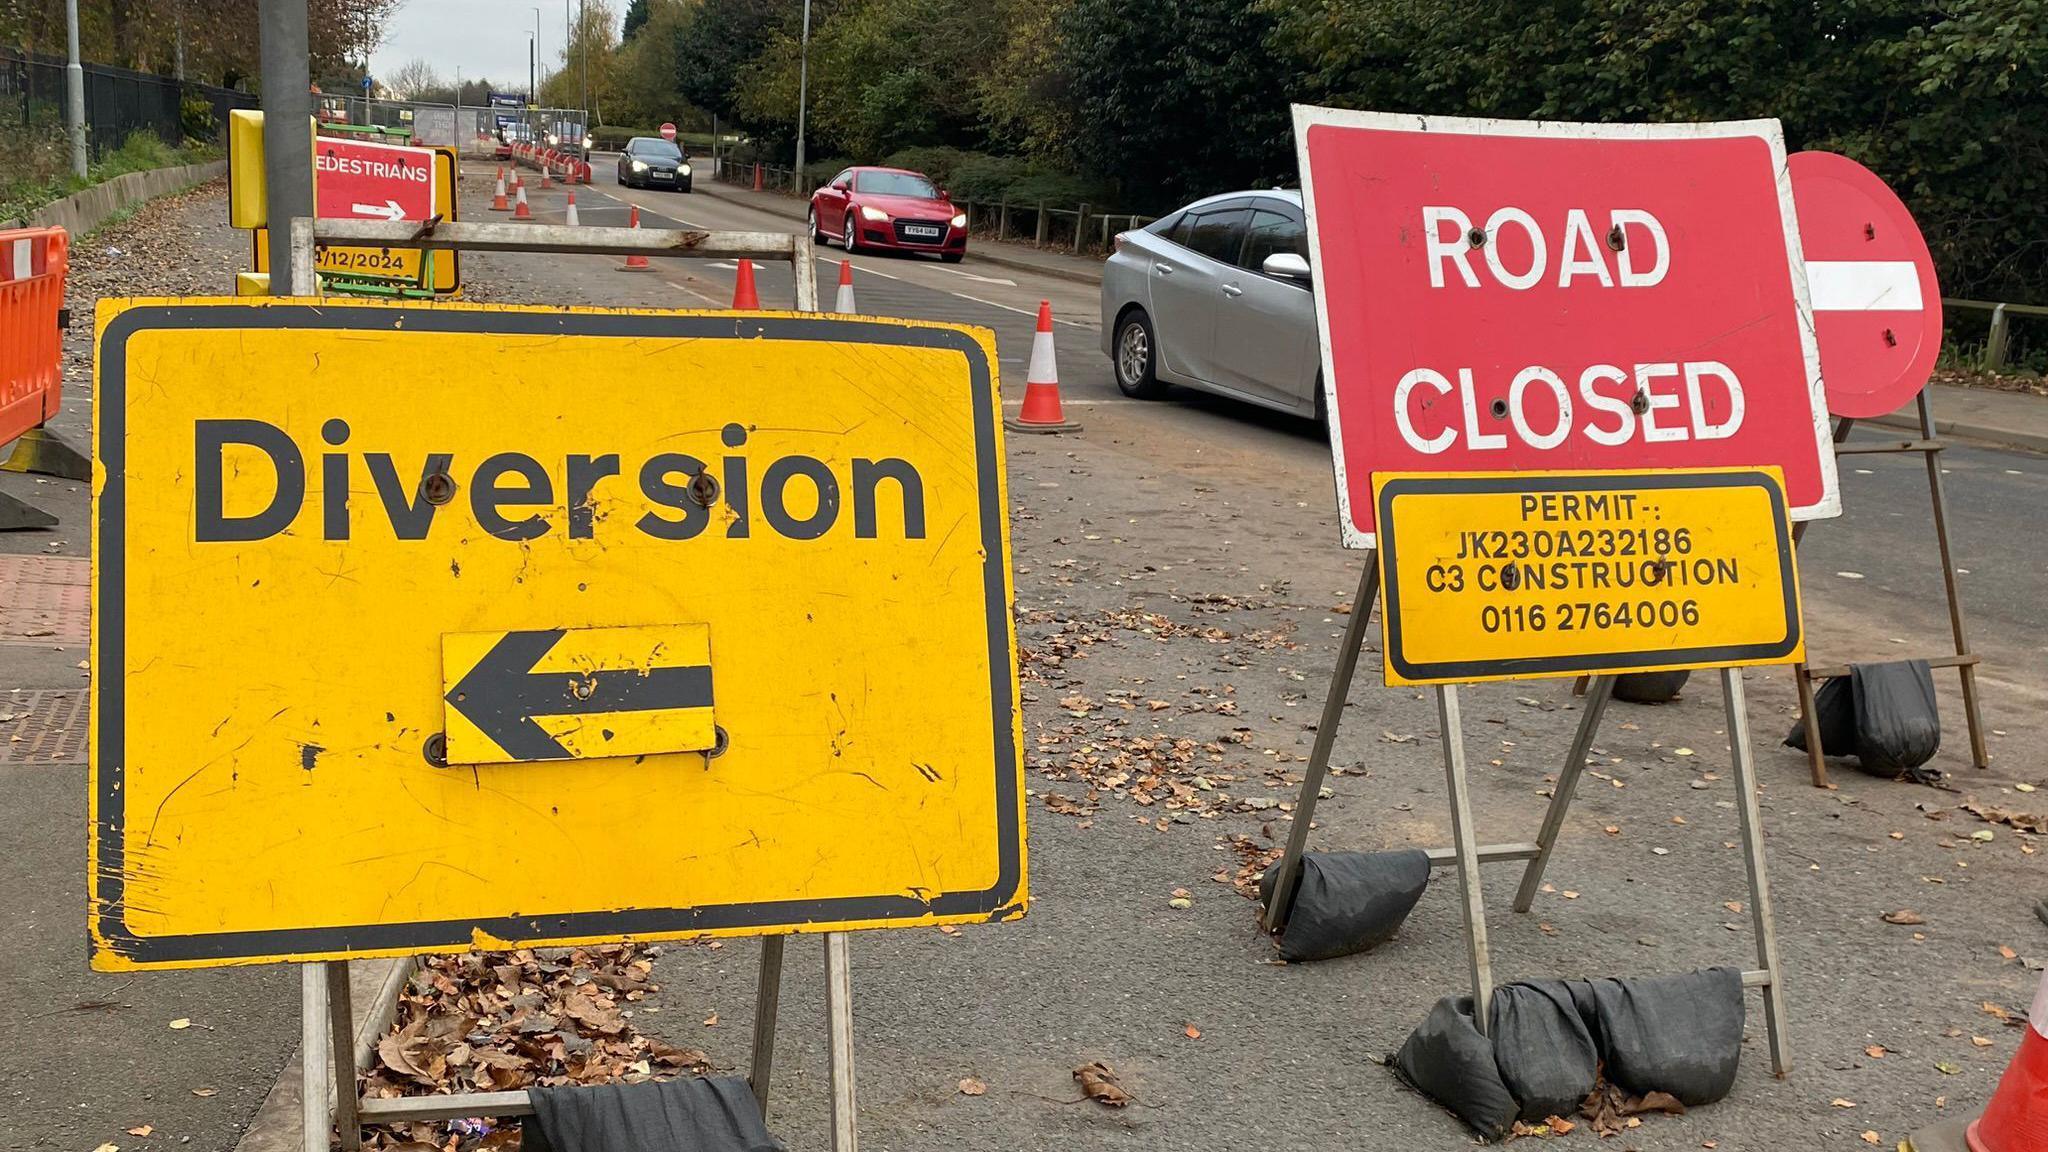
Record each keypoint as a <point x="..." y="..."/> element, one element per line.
<point x="374" y="590"/>
<point x="388" y="263"/>
<point x="1498" y="576"/>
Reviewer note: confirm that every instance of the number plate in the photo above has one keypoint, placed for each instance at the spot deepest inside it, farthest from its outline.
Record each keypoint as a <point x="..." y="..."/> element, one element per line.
<point x="921" y="231"/>
<point x="664" y="175"/>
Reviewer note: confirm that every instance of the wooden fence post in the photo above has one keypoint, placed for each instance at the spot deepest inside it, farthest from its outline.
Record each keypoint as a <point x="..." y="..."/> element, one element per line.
<point x="1080" y="226"/>
<point x="1039" y="240"/>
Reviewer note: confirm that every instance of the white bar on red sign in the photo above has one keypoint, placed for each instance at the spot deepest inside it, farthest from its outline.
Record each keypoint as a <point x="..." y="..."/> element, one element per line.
<point x="1864" y="285"/>
<point x="1508" y="296"/>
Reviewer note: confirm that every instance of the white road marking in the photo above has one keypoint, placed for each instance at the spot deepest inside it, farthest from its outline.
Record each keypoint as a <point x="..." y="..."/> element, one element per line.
<point x="1864" y="285"/>
<point x="1020" y="311"/>
<point x="972" y="276"/>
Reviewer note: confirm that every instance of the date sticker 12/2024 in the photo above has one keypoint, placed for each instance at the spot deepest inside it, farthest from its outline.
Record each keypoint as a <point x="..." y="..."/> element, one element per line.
<point x="1495" y="576"/>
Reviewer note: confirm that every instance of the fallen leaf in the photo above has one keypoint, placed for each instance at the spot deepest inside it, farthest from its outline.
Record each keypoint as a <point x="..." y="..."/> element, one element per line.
<point x="1876" y="1051"/>
<point x="1838" y="1102"/>
<point x="1990" y="1009"/>
<point x="1732" y="905"/>
<point x="1946" y="1068"/>
<point x="1192" y="1032"/>
<point x="969" y="1086"/>
<point x="2007" y="952"/>
<point x="108" y="1148"/>
<point x="142" y="1130"/>
<point x="1904" y="916"/>
<point x="1569" y="894"/>
<point x="1180" y="903"/>
<point x="1870" y="1137"/>
<point x="1980" y="1041"/>
<point x="1612" y="829"/>
<point x="1099" y="1083"/>
<point x="180" y="1024"/>
<point x="1983" y="835"/>
<point x="205" y="1093"/>
<point x="711" y="1021"/>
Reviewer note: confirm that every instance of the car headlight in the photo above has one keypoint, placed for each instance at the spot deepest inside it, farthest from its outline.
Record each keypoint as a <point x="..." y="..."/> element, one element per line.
<point x="586" y="143"/>
<point x="682" y="169"/>
<point x="874" y="214"/>
<point x="960" y="220"/>
<point x="639" y="165"/>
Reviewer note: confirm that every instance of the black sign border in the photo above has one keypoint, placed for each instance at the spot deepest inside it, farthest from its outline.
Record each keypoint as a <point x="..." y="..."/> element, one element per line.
<point x="109" y="688"/>
<point x="1649" y="658"/>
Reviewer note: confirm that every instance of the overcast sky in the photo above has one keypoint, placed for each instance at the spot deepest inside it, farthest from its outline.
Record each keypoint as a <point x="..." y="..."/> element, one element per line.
<point x="481" y="37"/>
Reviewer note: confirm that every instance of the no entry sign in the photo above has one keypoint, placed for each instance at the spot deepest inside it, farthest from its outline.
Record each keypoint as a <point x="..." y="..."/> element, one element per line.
<point x="1876" y="302"/>
<point x="1519" y="296"/>
<point x="750" y="647"/>
<point x="353" y="180"/>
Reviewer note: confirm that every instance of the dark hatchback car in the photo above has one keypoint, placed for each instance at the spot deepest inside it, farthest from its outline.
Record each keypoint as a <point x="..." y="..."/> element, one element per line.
<point x="651" y="162"/>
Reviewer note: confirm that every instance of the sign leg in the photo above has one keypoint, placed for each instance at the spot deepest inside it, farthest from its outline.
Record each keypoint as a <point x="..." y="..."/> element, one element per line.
<point x="1759" y="881"/>
<point x="1599" y="690"/>
<point x="1453" y="736"/>
<point x="1816" y="760"/>
<point x="767" y="1001"/>
<point x="1326" y="738"/>
<point x="341" y="1037"/>
<point x="839" y="1008"/>
<point x="1980" y="755"/>
<point x="314" y="1062"/>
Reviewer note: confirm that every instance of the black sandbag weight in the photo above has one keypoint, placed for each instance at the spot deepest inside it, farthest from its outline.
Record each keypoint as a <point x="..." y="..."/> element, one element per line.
<point x="1348" y="902"/>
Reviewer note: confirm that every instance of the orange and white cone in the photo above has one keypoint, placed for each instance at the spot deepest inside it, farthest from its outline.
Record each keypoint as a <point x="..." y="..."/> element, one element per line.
<point x="498" y="201"/>
<point x="1041" y="410"/>
<point x="636" y="262"/>
<point x="572" y="222"/>
<point x="2016" y="1120"/>
<point x="519" y="209"/>
<point x="546" y="182"/>
<point x="844" y="304"/>
<point x="744" y="297"/>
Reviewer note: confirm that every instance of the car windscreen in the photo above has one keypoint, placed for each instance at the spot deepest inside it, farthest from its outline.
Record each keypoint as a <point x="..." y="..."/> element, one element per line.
<point x="656" y="150"/>
<point x="895" y="184"/>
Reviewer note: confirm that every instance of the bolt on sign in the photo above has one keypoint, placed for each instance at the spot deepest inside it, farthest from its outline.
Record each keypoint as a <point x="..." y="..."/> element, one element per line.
<point x="1498" y="576"/>
<point x="716" y="642"/>
<point x="1521" y="296"/>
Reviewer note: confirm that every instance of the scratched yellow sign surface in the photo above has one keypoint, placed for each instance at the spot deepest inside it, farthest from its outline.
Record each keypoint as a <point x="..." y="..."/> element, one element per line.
<point x="418" y="627"/>
<point x="1493" y="576"/>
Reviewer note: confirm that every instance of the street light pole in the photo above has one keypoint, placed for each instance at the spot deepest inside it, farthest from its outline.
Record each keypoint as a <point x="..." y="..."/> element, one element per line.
<point x="583" y="16"/>
<point x="74" y="92"/>
<point x="287" y="133"/>
<point x="803" y="92"/>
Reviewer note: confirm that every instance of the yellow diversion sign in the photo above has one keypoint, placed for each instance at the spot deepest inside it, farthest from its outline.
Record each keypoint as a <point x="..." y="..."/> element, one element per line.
<point x="1495" y="576"/>
<point x="404" y="644"/>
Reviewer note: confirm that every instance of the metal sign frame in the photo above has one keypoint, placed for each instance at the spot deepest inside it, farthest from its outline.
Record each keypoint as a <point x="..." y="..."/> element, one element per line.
<point x="1964" y="661"/>
<point x="326" y="1019"/>
<point x="1466" y="853"/>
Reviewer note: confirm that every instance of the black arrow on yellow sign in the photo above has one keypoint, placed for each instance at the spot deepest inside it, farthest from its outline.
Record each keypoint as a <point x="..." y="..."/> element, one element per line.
<point x="502" y="695"/>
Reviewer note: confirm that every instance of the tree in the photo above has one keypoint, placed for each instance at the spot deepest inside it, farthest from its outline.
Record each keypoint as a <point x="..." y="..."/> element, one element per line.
<point x="636" y="18"/>
<point x="722" y="40"/>
<point x="413" y="80"/>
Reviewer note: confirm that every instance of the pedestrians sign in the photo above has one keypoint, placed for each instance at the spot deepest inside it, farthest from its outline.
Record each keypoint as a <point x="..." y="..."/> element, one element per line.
<point x="1876" y="302"/>
<point x="1513" y="296"/>
<point x="357" y="180"/>
<point x="1500" y="576"/>
<point x="400" y="661"/>
<point x="389" y="263"/>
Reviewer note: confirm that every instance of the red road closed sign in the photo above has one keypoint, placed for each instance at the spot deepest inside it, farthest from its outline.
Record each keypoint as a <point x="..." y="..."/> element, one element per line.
<point x="668" y="131"/>
<point x="354" y="180"/>
<point x="1509" y="296"/>
<point x="1876" y="302"/>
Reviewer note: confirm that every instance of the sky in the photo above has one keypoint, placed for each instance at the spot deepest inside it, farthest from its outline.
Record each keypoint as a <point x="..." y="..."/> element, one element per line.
<point x="481" y="37"/>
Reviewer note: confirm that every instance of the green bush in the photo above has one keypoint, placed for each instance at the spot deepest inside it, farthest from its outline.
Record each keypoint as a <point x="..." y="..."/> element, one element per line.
<point x="196" y="120"/>
<point x="935" y="162"/>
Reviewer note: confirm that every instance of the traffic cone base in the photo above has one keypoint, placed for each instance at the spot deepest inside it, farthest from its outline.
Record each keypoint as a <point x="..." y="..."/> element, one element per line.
<point x="744" y="297"/>
<point x="1041" y="409"/>
<point x="572" y="210"/>
<point x="2016" y="1119"/>
<point x="499" y="203"/>
<point x="519" y="210"/>
<point x="635" y="262"/>
<point x="844" y="303"/>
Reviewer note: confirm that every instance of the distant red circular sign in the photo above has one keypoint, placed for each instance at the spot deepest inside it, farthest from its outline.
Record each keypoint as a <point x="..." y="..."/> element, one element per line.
<point x="668" y="131"/>
<point x="1876" y="303"/>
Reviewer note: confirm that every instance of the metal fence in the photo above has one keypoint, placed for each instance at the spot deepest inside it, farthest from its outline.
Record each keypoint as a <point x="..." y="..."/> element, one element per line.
<point x="118" y="102"/>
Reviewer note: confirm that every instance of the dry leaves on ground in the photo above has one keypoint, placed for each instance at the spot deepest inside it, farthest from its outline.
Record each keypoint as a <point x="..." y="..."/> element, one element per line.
<point x="2011" y="817"/>
<point x="1904" y="916"/>
<point x="500" y="1021"/>
<point x="1611" y="1110"/>
<point x="1099" y="1083"/>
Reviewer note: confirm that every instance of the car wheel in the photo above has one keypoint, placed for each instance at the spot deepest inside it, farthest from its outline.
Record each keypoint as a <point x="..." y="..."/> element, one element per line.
<point x="850" y="236"/>
<point x="685" y="186"/>
<point x="817" y="233"/>
<point x="952" y="257"/>
<point x="1137" y="352"/>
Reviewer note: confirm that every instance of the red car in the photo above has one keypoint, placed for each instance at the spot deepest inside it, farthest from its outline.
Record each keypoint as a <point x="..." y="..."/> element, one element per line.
<point x="888" y="208"/>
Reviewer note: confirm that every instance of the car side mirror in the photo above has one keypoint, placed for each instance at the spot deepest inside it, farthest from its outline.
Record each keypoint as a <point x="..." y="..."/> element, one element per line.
<point x="945" y="195"/>
<point x="843" y="185"/>
<point x="1287" y="266"/>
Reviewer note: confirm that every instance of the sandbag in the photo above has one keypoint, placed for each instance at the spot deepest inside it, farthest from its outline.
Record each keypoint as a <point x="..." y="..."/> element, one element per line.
<point x="1675" y="1034"/>
<point x="711" y="1114"/>
<point x="1346" y="902"/>
<point x="1834" y="705"/>
<point x="1447" y="1060"/>
<point x="1898" y="727"/>
<point x="1542" y="1047"/>
<point x="1650" y="687"/>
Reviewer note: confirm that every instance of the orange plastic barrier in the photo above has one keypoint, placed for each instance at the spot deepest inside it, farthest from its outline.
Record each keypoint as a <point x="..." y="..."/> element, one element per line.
<point x="33" y="262"/>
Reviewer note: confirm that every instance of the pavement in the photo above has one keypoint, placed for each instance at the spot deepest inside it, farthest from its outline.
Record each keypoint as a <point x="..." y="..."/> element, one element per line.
<point x="1185" y="552"/>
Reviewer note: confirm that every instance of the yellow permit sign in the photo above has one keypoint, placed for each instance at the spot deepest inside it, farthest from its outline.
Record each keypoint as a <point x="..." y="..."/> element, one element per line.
<point x="404" y="644"/>
<point x="1496" y="576"/>
<point x="398" y="263"/>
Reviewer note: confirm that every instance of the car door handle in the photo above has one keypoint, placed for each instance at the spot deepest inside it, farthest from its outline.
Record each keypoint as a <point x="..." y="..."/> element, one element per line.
<point x="1163" y="269"/>
<point x="1232" y="290"/>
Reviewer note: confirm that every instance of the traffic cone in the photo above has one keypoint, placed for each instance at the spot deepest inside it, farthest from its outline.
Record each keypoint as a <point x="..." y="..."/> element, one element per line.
<point x="845" y="302"/>
<point x="572" y="209"/>
<point x="519" y="209"/>
<point x="545" y="182"/>
<point x="1041" y="410"/>
<point x="757" y="177"/>
<point x="744" y="298"/>
<point x="498" y="201"/>
<point x="636" y="262"/>
<point x="2016" y="1120"/>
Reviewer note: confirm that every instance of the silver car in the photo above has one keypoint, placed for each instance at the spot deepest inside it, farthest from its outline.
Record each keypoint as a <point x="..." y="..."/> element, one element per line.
<point x="1217" y="297"/>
